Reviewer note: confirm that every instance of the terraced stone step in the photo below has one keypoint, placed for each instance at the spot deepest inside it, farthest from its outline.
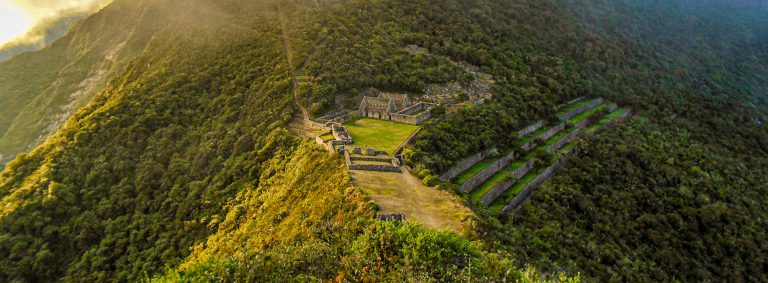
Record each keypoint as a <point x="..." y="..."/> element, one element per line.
<point x="582" y="119"/>
<point x="492" y="189"/>
<point x="483" y="176"/>
<point x="513" y="191"/>
<point x="516" y="171"/>
<point x="613" y="116"/>
<point x="472" y="171"/>
<point x="579" y="107"/>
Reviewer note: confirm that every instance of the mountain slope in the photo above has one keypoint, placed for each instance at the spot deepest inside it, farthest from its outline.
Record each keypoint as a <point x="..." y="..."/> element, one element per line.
<point x="664" y="197"/>
<point x="180" y="162"/>
<point x="178" y="167"/>
<point x="40" y="90"/>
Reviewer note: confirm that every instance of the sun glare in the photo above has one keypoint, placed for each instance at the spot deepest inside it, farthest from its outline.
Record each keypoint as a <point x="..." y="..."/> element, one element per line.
<point x="13" y="21"/>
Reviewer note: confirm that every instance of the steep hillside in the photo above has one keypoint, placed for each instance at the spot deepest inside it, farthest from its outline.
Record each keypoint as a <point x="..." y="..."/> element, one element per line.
<point x="178" y="167"/>
<point x="40" y="90"/>
<point x="664" y="197"/>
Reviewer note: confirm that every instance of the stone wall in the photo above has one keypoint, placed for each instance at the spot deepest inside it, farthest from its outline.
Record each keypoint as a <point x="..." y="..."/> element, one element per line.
<point x="543" y="177"/>
<point x="340" y="133"/>
<point x="465" y="164"/>
<point x="333" y="115"/>
<point x="402" y="145"/>
<point x="368" y="167"/>
<point x="583" y="108"/>
<point x="528" y="146"/>
<point x="564" y="140"/>
<point x="487" y="173"/>
<point x="551" y="132"/>
<point x="337" y="142"/>
<point x="370" y="158"/>
<point x="413" y="109"/>
<point x="347" y="159"/>
<point x="530" y="129"/>
<point x="615" y="120"/>
<point x="374" y="167"/>
<point x="572" y="101"/>
<point x="309" y="124"/>
<point x="500" y="188"/>
<point x="411" y="119"/>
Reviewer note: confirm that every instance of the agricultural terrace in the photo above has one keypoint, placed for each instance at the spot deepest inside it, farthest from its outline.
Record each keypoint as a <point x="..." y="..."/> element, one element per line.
<point x="575" y="106"/>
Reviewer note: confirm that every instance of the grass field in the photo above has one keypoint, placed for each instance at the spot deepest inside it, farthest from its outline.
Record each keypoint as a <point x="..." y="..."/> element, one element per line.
<point x="379" y="134"/>
<point x="404" y="193"/>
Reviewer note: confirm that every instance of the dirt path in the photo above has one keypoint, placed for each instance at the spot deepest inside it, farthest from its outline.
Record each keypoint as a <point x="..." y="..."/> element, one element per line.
<point x="404" y="193"/>
<point x="289" y="56"/>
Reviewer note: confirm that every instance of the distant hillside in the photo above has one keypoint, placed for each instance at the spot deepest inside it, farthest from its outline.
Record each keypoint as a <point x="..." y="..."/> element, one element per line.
<point x="49" y="33"/>
<point x="40" y="90"/>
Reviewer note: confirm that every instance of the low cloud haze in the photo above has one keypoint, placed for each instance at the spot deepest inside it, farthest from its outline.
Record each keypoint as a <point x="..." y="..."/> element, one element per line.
<point x="50" y="20"/>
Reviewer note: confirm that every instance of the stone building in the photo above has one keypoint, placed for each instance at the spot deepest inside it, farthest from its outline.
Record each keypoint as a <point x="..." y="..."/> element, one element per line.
<point x="383" y="106"/>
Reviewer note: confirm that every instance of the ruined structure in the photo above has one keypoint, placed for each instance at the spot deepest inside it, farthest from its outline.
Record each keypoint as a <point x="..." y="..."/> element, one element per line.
<point x="383" y="106"/>
<point x="395" y="107"/>
<point x="340" y="133"/>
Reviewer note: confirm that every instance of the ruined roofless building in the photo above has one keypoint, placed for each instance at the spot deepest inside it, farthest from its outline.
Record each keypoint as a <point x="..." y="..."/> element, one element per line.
<point x="384" y="106"/>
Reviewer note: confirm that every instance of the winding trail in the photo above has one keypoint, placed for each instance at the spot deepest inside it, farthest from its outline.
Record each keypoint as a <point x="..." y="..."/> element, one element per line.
<point x="289" y="56"/>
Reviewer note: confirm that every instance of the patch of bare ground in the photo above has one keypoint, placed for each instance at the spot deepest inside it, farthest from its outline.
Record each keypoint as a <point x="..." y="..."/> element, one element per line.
<point x="404" y="193"/>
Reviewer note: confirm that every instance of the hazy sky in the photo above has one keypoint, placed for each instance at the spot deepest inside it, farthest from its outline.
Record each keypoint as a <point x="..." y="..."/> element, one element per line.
<point x="18" y="16"/>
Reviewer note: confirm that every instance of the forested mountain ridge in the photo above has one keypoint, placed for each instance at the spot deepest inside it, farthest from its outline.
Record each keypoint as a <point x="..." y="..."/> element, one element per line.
<point x="664" y="197"/>
<point x="179" y="167"/>
<point x="40" y="90"/>
<point x="180" y="162"/>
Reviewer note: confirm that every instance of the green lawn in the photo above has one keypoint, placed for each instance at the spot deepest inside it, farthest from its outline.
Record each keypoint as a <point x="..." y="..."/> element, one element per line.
<point x="327" y="137"/>
<point x="473" y="171"/>
<point x="379" y="134"/>
<point x="585" y="114"/>
<point x="571" y="107"/>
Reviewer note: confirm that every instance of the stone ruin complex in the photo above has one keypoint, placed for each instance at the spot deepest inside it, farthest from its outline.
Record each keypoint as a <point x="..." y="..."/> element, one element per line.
<point x="395" y="107"/>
